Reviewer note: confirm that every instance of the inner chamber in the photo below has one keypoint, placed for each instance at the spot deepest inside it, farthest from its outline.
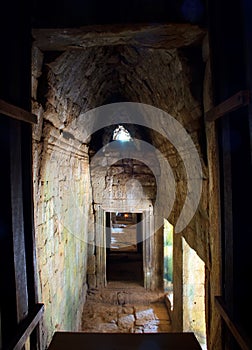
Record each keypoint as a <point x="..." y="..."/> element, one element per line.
<point x="124" y="249"/>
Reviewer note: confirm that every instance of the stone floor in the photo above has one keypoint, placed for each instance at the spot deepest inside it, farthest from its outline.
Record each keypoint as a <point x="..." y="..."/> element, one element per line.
<point x="118" y="310"/>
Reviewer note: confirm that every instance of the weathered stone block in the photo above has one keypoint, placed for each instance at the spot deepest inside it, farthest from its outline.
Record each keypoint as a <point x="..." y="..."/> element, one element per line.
<point x="91" y="265"/>
<point x="126" y="321"/>
<point x="91" y="281"/>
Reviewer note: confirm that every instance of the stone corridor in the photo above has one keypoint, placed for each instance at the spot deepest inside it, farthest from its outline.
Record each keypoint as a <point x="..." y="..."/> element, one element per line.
<point x="83" y="178"/>
<point x="125" y="310"/>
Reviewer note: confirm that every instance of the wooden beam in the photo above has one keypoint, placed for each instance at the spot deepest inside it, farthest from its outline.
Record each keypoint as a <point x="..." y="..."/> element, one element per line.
<point x="18" y="220"/>
<point x="121" y="341"/>
<point x="26" y="327"/>
<point x="240" y="99"/>
<point x="228" y="214"/>
<point x="241" y="338"/>
<point x="17" y="112"/>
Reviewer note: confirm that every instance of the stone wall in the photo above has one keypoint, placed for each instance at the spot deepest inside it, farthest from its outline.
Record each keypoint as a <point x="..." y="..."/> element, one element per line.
<point x="176" y="80"/>
<point x="125" y="185"/>
<point x="62" y="198"/>
<point x="194" y="294"/>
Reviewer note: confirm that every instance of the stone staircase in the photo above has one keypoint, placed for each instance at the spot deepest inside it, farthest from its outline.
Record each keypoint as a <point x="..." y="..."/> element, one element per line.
<point x="115" y="309"/>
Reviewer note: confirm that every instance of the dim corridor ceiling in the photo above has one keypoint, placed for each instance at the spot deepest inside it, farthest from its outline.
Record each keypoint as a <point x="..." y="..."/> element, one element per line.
<point x="77" y="68"/>
<point x="99" y="52"/>
<point x="77" y="13"/>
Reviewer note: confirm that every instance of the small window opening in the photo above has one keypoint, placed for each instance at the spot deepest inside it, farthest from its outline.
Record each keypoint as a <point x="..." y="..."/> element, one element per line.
<point x="121" y="134"/>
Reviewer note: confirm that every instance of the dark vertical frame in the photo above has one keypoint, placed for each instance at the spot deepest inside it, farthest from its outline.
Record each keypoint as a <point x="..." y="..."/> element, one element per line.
<point x="28" y="215"/>
<point x="227" y="213"/>
<point x="18" y="221"/>
<point x="139" y="233"/>
<point x="18" y="277"/>
<point x="230" y="67"/>
<point x="108" y="232"/>
<point x="7" y="271"/>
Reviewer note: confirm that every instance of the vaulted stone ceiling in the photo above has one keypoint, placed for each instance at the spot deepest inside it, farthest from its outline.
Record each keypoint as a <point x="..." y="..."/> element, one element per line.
<point x="116" y="54"/>
<point x="93" y="67"/>
<point x="89" y="54"/>
<point x="76" y="70"/>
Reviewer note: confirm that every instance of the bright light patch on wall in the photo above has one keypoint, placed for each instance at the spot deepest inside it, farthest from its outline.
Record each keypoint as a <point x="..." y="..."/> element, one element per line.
<point x="194" y="319"/>
<point x="121" y="134"/>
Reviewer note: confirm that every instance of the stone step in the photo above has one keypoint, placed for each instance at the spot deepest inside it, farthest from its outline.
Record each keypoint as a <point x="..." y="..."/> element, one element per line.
<point x="125" y="296"/>
<point x="137" y="318"/>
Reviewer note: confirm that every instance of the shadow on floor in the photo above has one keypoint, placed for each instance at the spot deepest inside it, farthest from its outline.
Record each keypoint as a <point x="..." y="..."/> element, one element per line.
<point x="126" y="266"/>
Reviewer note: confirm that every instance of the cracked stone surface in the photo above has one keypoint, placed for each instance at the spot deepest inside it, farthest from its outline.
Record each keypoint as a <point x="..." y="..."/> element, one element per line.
<point x="104" y="318"/>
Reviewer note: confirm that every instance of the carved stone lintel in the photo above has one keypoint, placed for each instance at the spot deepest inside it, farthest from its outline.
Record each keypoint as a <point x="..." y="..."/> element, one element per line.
<point x="161" y="36"/>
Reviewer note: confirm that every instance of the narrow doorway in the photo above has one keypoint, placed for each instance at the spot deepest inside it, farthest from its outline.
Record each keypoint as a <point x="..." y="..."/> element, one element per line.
<point x="124" y="248"/>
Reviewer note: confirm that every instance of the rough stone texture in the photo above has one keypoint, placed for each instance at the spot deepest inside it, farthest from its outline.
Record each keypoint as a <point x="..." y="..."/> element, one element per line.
<point x="122" y="186"/>
<point x="131" y="73"/>
<point x="155" y="35"/>
<point x="122" y="293"/>
<point x="62" y="197"/>
<point x="175" y="80"/>
<point x="139" y="317"/>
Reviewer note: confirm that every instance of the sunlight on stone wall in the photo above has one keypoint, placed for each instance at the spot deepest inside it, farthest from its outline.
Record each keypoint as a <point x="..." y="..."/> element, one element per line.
<point x="168" y="260"/>
<point x="62" y="197"/>
<point x="194" y="294"/>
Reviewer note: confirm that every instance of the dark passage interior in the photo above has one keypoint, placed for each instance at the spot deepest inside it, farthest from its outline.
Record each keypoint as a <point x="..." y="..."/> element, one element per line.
<point x="176" y="77"/>
<point x="124" y="256"/>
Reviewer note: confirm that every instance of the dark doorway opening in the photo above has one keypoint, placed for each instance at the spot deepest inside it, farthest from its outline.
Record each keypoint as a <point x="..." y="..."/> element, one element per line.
<point x="124" y="248"/>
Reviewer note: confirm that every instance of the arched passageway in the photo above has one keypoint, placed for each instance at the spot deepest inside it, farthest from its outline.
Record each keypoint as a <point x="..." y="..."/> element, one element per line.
<point x="82" y="174"/>
<point x="76" y="68"/>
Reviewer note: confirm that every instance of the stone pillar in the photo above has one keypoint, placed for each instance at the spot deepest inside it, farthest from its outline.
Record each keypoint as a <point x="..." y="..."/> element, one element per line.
<point x="177" y="313"/>
<point x="149" y="261"/>
<point x="100" y="238"/>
